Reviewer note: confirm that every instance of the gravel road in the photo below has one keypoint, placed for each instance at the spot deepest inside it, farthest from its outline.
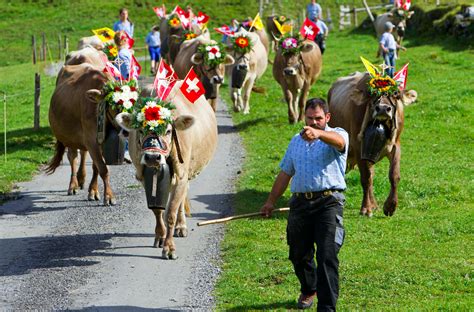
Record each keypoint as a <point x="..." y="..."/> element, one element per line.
<point x="60" y="252"/>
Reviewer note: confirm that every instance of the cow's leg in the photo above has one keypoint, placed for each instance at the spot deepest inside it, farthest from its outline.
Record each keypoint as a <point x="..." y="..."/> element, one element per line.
<point x="302" y="101"/>
<point x="73" y="183"/>
<point x="289" y="101"/>
<point x="160" y="228"/>
<point x="93" y="193"/>
<point x="236" y="99"/>
<point x="181" y="229"/>
<point x="81" y="173"/>
<point x="247" y="91"/>
<point x="394" y="175"/>
<point x="178" y="193"/>
<point x="96" y="155"/>
<point x="213" y="103"/>
<point x="366" y="170"/>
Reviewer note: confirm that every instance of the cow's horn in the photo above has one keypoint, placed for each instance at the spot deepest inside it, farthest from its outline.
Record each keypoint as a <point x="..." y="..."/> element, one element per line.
<point x="275" y="37"/>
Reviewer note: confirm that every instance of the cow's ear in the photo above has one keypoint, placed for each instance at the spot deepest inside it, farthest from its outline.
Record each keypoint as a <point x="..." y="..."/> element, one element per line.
<point x="307" y="47"/>
<point x="197" y="58"/>
<point x="94" y="95"/>
<point x="183" y="122"/>
<point x="409" y="96"/>
<point x="124" y="120"/>
<point x="229" y="60"/>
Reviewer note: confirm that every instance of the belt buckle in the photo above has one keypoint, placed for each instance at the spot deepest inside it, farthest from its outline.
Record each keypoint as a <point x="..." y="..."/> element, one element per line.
<point x="308" y="195"/>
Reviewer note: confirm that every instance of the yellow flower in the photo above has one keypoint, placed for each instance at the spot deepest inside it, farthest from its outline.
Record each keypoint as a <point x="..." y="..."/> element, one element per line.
<point x="161" y="121"/>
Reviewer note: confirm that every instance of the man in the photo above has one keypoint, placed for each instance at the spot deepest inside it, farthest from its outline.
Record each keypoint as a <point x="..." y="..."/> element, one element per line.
<point x="314" y="11"/>
<point x="315" y="162"/>
<point x="389" y="48"/>
<point x="320" y="38"/>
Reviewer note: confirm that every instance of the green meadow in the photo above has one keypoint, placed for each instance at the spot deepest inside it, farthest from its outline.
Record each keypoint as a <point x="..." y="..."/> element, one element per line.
<point x="419" y="259"/>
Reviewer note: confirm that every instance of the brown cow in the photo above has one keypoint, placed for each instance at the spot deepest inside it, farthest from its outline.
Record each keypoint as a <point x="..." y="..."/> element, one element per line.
<point x="211" y="76"/>
<point x="91" y="41"/>
<point x="296" y="73"/>
<point x="196" y="145"/>
<point x="249" y="66"/>
<point x="397" y="17"/>
<point x="73" y="121"/>
<point x="353" y="108"/>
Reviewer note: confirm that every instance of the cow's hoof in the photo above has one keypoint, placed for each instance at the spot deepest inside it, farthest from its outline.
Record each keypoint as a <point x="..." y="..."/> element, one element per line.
<point x="110" y="201"/>
<point x="366" y="212"/>
<point x="389" y="208"/>
<point x="181" y="232"/>
<point x="236" y="109"/>
<point x="93" y="195"/>
<point x="169" y="255"/>
<point x="71" y="192"/>
<point x="246" y="112"/>
<point x="158" y="242"/>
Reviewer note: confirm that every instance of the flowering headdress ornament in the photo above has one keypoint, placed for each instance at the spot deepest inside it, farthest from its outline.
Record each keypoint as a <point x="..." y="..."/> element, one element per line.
<point x="152" y="115"/>
<point x="188" y="34"/>
<point x="380" y="83"/>
<point x="110" y="49"/>
<point x="213" y="53"/>
<point x="290" y="45"/>
<point x="242" y="44"/>
<point x="121" y="95"/>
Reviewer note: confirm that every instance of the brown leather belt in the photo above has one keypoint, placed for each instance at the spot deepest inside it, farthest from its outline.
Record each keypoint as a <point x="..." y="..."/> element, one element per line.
<point x="314" y="195"/>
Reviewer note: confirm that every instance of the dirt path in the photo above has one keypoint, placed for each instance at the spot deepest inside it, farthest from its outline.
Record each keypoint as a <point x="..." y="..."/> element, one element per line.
<point x="64" y="252"/>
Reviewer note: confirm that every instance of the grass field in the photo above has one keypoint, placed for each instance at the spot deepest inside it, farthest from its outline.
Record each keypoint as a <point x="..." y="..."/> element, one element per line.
<point x="419" y="259"/>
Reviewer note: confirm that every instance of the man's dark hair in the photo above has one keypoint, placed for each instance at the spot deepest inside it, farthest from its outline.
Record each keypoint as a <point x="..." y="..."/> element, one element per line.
<point x="315" y="102"/>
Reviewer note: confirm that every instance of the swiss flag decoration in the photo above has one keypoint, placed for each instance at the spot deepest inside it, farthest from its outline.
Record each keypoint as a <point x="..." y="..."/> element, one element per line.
<point x="164" y="80"/>
<point x="183" y="16"/>
<point x="309" y="30"/>
<point x="225" y="30"/>
<point x="401" y="77"/>
<point x="135" y="69"/>
<point x="403" y="4"/>
<point x="110" y="68"/>
<point x="192" y="87"/>
<point x="160" y="11"/>
<point x="131" y="42"/>
<point x="202" y="18"/>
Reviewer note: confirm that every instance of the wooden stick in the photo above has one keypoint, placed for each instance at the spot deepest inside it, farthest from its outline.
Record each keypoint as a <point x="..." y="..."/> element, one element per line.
<point x="245" y="215"/>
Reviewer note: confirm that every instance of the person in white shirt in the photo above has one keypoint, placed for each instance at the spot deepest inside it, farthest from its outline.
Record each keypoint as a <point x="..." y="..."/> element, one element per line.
<point x="320" y="38"/>
<point x="389" y="48"/>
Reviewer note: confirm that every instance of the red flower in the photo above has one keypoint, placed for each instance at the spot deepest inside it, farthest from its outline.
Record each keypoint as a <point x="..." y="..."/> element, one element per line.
<point x="117" y="89"/>
<point x="214" y="50"/>
<point x="132" y="100"/>
<point x="133" y="89"/>
<point x="152" y="113"/>
<point x="242" y="42"/>
<point x="120" y="102"/>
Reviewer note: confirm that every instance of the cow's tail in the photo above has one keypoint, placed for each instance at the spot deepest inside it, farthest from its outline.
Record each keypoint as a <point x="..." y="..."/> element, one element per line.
<point x="187" y="207"/>
<point x="259" y="89"/>
<point x="57" y="158"/>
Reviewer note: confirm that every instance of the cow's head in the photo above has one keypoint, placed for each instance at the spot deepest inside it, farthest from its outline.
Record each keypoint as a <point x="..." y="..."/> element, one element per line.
<point x="399" y="18"/>
<point x="154" y="147"/>
<point x="291" y="52"/>
<point x="240" y="46"/>
<point x="210" y="61"/>
<point x="384" y="107"/>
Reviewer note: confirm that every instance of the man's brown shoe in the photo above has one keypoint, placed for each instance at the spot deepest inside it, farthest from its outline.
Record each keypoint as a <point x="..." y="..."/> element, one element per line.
<point x="306" y="301"/>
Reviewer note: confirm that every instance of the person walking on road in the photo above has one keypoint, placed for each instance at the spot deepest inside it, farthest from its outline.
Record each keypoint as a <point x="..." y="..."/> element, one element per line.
<point x="315" y="163"/>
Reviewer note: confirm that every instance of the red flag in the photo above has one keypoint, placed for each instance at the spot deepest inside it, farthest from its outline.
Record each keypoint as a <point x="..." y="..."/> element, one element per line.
<point x="164" y="80"/>
<point x="183" y="17"/>
<point x="309" y="30"/>
<point x="225" y="30"/>
<point x="403" y="4"/>
<point x="202" y="18"/>
<point x="130" y="40"/>
<point x="401" y="77"/>
<point x="135" y="68"/>
<point x="192" y="87"/>
<point x="113" y="71"/>
<point x="160" y="11"/>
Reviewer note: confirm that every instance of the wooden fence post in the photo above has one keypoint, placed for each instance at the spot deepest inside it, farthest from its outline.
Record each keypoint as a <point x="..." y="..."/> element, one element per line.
<point x="5" y="124"/>
<point x="33" y="47"/>
<point x="43" y="54"/>
<point x="37" y="101"/>
<point x="66" y="46"/>
<point x="355" y="17"/>
<point x="59" y="48"/>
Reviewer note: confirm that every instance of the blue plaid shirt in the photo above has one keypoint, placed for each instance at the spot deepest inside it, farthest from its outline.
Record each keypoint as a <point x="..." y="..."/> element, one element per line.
<point x="315" y="166"/>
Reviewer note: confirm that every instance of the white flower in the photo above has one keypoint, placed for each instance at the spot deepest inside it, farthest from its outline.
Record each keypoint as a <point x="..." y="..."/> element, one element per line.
<point x="218" y="54"/>
<point x="140" y="117"/>
<point x="127" y="104"/>
<point x="150" y="104"/>
<point x="134" y="95"/>
<point x="208" y="48"/>
<point x="125" y="89"/>
<point x="165" y="113"/>
<point x="211" y="56"/>
<point x="152" y="124"/>
<point x="117" y="97"/>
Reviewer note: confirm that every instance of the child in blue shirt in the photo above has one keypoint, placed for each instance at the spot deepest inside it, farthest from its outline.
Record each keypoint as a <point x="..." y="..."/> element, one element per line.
<point x="124" y="23"/>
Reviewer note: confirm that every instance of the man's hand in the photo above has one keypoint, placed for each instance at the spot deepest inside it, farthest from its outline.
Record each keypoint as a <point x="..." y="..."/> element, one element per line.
<point x="267" y="209"/>
<point x="309" y="133"/>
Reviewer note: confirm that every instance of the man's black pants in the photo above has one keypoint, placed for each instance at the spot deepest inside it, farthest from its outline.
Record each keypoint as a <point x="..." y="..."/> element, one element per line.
<point x="319" y="221"/>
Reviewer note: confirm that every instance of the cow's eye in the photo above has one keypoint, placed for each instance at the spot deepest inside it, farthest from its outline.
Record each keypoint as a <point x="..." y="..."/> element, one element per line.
<point x="168" y="132"/>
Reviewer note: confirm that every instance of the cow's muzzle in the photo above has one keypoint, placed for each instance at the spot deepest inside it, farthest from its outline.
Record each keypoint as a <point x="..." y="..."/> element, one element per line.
<point x="155" y="150"/>
<point x="210" y="87"/>
<point x="289" y="71"/>
<point x="383" y="112"/>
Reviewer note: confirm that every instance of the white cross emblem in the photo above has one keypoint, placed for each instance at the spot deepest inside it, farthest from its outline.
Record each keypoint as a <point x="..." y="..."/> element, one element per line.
<point x="154" y="142"/>
<point x="308" y="30"/>
<point x="192" y="85"/>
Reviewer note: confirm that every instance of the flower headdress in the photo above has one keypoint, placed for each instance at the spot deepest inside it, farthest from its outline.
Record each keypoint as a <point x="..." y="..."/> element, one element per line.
<point x="282" y="19"/>
<point x="290" y="44"/>
<point x="121" y="95"/>
<point x="380" y="85"/>
<point x="213" y="53"/>
<point x="152" y="115"/>
<point x="242" y="44"/>
<point x="188" y="34"/>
